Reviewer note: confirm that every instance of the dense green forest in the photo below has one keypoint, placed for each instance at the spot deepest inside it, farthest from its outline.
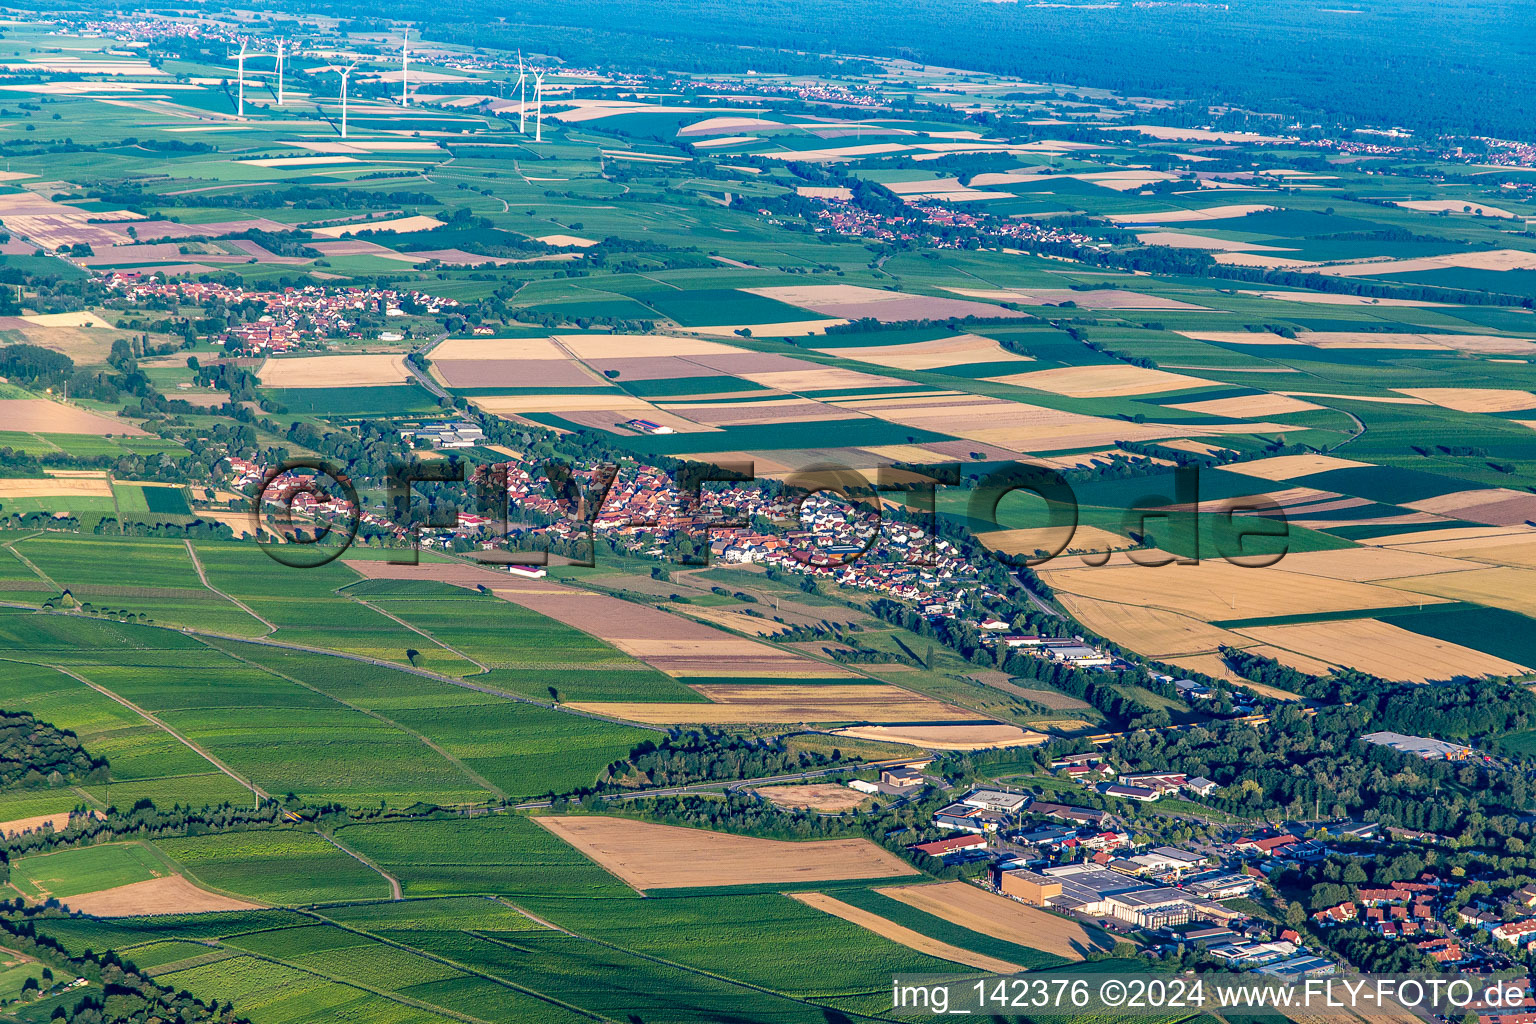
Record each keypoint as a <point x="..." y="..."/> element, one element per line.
<point x="1452" y="68"/>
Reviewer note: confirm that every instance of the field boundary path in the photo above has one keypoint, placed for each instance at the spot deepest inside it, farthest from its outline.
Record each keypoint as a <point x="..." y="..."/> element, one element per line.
<point x="202" y="575"/>
<point x="663" y="961"/>
<point x="445" y="961"/>
<point x="381" y="663"/>
<point x="11" y="547"/>
<point x="395" y="892"/>
<point x="469" y="772"/>
<point x="482" y="666"/>
<point x="157" y="723"/>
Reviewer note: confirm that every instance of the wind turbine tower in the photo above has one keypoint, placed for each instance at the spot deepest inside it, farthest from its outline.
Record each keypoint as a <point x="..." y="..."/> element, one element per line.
<point x="522" y="97"/>
<point x="404" y="38"/>
<point x="345" y="73"/>
<point x="279" y="72"/>
<point x="538" y="106"/>
<point x="240" y="104"/>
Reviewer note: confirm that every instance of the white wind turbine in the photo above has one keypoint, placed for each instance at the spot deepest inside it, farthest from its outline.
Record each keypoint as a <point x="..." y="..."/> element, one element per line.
<point x="404" y="38"/>
<point x="279" y="72"/>
<point x="240" y="105"/>
<point x="345" y="73"/>
<point x="522" y="97"/>
<point x="538" y="106"/>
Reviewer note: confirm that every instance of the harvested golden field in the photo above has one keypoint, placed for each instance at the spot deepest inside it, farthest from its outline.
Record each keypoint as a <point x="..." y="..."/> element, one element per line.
<point x="790" y="703"/>
<point x="1447" y="504"/>
<point x="477" y="349"/>
<point x="949" y="737"/>
<point x="1383" y="649"/>
<point x="170" y="895"/>
<point x="355" y="371"/>
<point x="1452" y="206"/>
<point x="506" y="405"/>
<point x="1505" y="587"/>
<point x="1517" y="549"/>
<point x="1252" y="405"/>
<point x="398" y="224"/>
<point x="1028" y="541"/>
<point x="651" y="856"/>
<point x="57" y="487"/>
<point x="905" y="936"/>
<point x="37" y="823"/>
<point x="1288" y="467"/>
<point x="1367" y="564"/>
<point x="1152" y="631"/>
<point x="1215" y="589"/>
<point x="1030" y="428"/>
<point x="1487" y="259"/>
<point x="1104" y="380"/>
<point x="625" y="346"/>
<point x="927" y="355"/>
<point x="972" y="907"/>
<point x="82" y="318"/>
<point x="723" y="414"/>
<point x="732" y="618"/>
<point x="1376" y="399"/>
<point x="1474" y="399"/>
<point x="908" y="453"/>
<point x="1181" y="216"/>
<point x="817" y="378"/>
<point x="41" y="416"/>
<point x="816" y="796"/>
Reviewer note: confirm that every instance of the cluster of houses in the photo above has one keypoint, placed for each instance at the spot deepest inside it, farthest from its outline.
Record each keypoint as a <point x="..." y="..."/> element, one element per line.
<point x="644" y="509"/>
<point x="293" y="316"/>
<point x="1400" y="910"/>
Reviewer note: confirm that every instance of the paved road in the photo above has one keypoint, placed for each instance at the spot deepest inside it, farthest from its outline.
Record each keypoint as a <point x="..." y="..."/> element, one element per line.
<point x="425" y="379"/>
<point x="1035" y="599"/>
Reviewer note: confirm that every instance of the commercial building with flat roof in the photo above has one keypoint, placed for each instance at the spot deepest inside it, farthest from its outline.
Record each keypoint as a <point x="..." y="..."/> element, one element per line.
<point x="1428" y="748"/>
<point x="1085" y="887"/>
<point x="1029" y="886"/>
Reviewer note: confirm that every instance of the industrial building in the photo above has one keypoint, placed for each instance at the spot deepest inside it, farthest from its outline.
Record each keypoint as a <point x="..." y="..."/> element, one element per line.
<point x="1428" y="748"/>
<point x="1035" y="889"/>
<point x="997" y="800"/>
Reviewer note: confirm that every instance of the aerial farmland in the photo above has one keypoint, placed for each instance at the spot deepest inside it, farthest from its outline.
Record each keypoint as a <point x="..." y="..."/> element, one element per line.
<point x="637" y="513"/>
